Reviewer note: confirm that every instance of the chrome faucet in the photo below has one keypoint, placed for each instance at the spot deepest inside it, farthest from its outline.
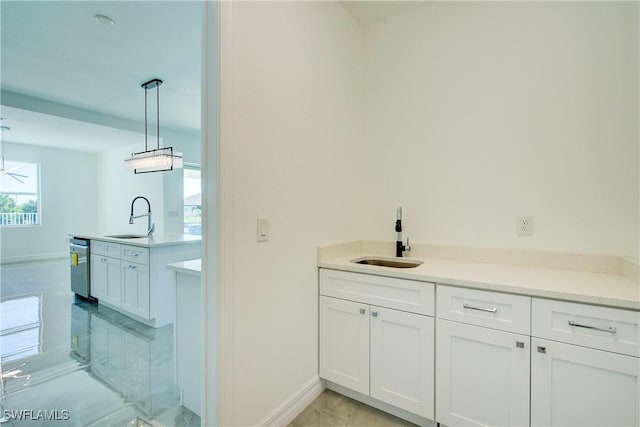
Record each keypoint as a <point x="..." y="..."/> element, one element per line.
<point x="150" y="225"/>
<point x="400" y="247"/>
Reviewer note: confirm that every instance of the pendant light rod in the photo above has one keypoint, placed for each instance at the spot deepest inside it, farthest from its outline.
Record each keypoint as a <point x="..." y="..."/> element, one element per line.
<point x="153" y="83"/>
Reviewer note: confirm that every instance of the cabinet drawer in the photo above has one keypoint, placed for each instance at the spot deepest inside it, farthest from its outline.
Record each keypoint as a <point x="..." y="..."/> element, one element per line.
<point x="401" y="294"/>
<point x="483" y="308"/>
<point x="135" y="254"/>
<point x="99" y="247"/>
<point x="602" y="328"/>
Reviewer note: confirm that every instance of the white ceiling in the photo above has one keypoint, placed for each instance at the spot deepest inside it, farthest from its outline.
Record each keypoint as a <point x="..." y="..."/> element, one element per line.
<point x="30" y="127"/>
<point x="56" y="51"/>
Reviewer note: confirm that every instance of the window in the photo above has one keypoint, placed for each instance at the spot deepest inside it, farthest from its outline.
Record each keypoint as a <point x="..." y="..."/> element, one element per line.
<point x="20" y="194"/>
<point x="192" y="201"/>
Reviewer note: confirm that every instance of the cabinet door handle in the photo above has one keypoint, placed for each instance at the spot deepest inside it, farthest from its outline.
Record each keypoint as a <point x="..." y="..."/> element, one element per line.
<point x="362" y="311"/>
<point x="374" y="313"/>
<point x="542" y="349"/>
<point x="519" y="344"/>
<point x="610" y="329"/>
<point x="133" y="254"/>
<point x="488" y="310"/>
<point x="133" y="267"/>
<point x="103" y="259"/>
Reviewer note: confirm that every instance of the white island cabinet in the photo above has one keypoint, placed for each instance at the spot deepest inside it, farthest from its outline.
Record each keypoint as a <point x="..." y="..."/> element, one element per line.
<point x="106" y="276"/>
<point x="376" y="341"/>
<point x="130" y="275"/>
<point x="188" y="332"/>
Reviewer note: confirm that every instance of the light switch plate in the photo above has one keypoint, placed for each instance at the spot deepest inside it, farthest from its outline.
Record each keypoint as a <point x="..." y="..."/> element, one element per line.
<point x="262" y="230"/>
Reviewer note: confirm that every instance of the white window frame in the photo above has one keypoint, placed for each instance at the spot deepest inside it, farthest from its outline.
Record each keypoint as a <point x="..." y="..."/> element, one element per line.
<point x="196" y="167"/>
<point x="37" y="193"/>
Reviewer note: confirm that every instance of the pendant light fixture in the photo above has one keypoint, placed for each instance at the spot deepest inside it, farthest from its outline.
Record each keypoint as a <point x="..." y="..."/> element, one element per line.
<point x="3" y="170"/>
<point x="158" y="159"/>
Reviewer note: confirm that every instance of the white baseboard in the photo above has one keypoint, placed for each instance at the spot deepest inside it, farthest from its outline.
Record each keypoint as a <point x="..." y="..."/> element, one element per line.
<point x="34" y="258"/>
<point x="295" y="404"/>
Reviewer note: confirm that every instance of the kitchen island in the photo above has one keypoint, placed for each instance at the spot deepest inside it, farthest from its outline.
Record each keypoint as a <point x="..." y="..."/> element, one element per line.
<point x="129" y="274"/>
<point x="188" y="332"/>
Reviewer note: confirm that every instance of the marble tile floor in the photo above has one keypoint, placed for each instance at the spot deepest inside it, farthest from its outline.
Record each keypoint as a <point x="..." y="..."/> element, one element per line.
<point x="333" y="409"/>
<point x="69" y="360"/>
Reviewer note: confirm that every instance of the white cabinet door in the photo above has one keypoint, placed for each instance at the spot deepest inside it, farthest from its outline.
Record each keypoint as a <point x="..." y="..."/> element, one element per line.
<point x="135" y="289"/>
<point x="105" y="279"/>
<point x="482" y="376"/>
<point x="578" y="386"/>
<point x="344" y="343"/>
<point x="402" y="365"/>
<point x="98" y="276"/>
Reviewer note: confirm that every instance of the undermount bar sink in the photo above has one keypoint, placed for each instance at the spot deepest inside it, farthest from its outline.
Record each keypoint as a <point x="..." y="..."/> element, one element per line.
<point x="387" y="262"/>
<point x="127" y="236"/>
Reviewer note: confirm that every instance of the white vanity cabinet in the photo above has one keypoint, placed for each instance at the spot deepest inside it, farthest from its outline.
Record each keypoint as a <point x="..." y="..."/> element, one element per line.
<point x="482" y="358"/>
<point x="585" y="365"/>
<point x="344" y="343"/>
<point x="377" y="338"/>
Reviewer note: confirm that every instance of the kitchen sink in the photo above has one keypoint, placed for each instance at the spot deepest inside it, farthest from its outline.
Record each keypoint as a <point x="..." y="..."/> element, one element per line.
<point x="127" y="236"/>
<point x="387" y="262"/>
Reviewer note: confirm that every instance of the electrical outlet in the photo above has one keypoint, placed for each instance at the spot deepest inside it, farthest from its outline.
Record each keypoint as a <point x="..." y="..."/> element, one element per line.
<point x="524" y="225"/>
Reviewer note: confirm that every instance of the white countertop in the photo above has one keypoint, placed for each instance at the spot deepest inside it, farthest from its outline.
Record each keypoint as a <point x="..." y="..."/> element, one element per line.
<point x="192" y="267"/>
<point x="147" y="242"/>
<point x="578" y="286"/>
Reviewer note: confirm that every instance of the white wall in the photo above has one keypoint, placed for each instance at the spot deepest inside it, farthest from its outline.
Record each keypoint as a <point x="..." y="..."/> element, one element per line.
<point x="68" y="202"/>
<point x="296" y="115"/>
<point x="478" y="112"/>
<point x="118" y="186"/>
<point x="466" y="114"/>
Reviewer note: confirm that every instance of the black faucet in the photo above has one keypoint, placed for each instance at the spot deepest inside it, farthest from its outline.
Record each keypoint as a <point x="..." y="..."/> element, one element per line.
<point x="400" y="247"/>
<point x="150" y="225"/>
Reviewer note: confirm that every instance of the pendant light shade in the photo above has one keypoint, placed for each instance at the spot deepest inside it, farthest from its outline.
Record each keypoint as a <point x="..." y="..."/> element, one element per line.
<point x="157" y="159"/>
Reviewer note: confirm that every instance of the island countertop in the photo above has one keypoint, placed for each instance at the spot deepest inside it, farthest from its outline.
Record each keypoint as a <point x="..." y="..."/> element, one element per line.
<point x="146" y="242"/>
<point x="192" y="267"/>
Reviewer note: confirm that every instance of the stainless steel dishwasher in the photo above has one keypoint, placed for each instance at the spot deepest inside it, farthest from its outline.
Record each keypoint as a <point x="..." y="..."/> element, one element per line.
<point x="79" y="250"/>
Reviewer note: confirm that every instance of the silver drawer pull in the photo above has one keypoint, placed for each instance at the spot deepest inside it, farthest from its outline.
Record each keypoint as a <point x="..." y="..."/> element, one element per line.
<point x="610" y="329"/>
<point x="133" y="254"/>
<point x="362" y="311"/>
<point x="542" y="350"/>
<point x="488" y="310"/>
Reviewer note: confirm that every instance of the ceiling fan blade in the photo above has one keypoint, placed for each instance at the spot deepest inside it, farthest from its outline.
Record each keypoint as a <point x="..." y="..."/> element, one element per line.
<point x="15" y="176"/>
